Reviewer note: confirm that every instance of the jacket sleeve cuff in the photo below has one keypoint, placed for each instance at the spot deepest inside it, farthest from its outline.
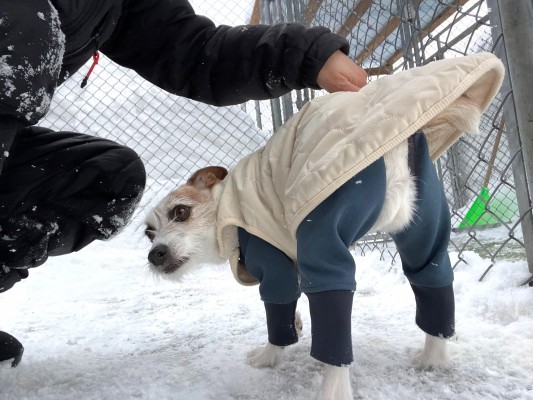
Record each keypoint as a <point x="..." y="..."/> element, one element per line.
<point x="319" y="52"/>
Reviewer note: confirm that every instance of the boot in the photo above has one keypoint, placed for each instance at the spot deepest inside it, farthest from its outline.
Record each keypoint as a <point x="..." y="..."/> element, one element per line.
<point x="10" y="276"/>
<point x="10" y="348"/>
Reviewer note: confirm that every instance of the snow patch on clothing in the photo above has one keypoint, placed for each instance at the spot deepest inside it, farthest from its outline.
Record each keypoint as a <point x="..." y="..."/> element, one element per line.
<point x="29" y="78"/>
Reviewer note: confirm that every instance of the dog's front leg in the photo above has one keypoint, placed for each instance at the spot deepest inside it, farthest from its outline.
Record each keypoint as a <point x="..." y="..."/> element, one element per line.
<point x="336" y="384"/>
<point x="434" y="354"/>
<point x="284" y="327"/>
<point x="332" y="341"/>
<point x="265" y="356"/>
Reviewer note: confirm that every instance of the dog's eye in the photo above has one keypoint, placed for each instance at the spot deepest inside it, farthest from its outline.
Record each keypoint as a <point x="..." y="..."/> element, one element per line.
<point x="180" y="213"/>
<point x="149" y="232"/>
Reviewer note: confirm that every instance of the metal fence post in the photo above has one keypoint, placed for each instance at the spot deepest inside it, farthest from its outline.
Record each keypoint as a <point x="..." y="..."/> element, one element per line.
<point x="513" y="35"/>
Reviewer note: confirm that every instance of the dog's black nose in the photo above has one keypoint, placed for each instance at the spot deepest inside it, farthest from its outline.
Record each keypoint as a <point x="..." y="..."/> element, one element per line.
<point x="158" y="254"/>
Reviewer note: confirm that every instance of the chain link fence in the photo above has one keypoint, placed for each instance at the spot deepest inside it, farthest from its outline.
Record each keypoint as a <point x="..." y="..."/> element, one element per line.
<point x="485" y="176"/>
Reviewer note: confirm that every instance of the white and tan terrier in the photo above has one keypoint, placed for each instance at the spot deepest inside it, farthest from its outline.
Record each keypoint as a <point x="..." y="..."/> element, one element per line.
<point x="345" y="165"/>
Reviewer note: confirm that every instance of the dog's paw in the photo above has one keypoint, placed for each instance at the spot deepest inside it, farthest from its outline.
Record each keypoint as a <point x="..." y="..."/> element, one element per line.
<point x="336" y="384"/>
<point x="298" y="324"/>
<point x="434" y="354"/>
<point x="265" y="356"/>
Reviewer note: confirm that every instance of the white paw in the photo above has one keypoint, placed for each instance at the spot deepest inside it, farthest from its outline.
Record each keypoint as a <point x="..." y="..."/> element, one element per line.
<point x="336" y="384"/>
<point x="265" y="356"/>
<point x="298" y="324"/>
<point x="434" y="354"/>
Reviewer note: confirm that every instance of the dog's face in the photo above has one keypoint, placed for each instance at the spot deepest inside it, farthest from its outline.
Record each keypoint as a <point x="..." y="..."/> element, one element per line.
<point x="182" y="226"/>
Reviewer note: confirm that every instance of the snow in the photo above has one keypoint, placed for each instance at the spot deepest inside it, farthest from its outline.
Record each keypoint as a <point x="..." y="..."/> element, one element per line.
<point x="97" y="325"/>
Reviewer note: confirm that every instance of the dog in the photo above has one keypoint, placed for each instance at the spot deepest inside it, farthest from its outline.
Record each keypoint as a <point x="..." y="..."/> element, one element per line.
<point x="183" y="235"/>
<point x="343" y="166"/>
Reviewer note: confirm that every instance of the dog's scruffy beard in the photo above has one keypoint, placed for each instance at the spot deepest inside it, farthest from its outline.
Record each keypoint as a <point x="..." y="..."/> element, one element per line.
<point x="187" y="254"/>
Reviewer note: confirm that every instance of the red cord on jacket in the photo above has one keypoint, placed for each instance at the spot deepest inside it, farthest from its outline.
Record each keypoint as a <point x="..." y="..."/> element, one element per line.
<point x="96" y="57"/>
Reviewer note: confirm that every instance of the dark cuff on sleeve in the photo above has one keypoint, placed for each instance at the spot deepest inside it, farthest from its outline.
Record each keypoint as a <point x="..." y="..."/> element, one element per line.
<point x="435" y="310"/>
<point x="331" y="326"/>
<point x="280" y="323"/>
<point x="319" y="52"/>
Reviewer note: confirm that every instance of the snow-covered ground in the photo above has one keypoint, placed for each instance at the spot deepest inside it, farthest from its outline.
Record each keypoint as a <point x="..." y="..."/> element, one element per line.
<point x="97" y="325"/>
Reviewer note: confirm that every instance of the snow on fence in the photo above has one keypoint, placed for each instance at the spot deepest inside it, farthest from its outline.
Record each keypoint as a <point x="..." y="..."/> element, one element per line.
<point x="487" y="178"/>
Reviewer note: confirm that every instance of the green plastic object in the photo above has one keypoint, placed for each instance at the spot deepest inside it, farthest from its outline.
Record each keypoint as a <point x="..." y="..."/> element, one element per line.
<point x="477" y="214"/>
<point x="490" y="210"/>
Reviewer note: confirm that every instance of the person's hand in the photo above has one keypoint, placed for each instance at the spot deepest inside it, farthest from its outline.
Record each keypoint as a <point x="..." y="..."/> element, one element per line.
<point x="340" y="73"/>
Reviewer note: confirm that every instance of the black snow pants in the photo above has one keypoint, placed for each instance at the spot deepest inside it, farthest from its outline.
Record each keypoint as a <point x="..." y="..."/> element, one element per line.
<point x="59" y="191"/>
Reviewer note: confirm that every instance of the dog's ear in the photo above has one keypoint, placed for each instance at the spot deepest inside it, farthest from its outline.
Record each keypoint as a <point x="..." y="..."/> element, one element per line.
<point x="207" y="177"/>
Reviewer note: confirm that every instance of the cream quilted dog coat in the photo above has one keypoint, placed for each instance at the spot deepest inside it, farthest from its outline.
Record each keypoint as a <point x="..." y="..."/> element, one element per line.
<point x="334" y="137"/>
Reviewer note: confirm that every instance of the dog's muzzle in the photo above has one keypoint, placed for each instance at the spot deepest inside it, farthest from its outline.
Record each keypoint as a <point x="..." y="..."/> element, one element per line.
<point x="158" y="255"/>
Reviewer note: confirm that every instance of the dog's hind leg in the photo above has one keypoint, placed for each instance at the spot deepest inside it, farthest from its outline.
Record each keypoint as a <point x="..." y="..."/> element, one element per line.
<point x="423" y="248"/>
<point x="336" y="384"/>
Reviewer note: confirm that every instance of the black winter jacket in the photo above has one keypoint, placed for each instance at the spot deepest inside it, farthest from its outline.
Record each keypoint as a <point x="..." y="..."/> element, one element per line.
<point x="185" y="54"/>
<point x="163" y="40"/>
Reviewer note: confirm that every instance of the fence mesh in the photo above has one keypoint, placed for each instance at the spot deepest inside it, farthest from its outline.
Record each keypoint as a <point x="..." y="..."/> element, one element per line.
<point x="175" y="136"/>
